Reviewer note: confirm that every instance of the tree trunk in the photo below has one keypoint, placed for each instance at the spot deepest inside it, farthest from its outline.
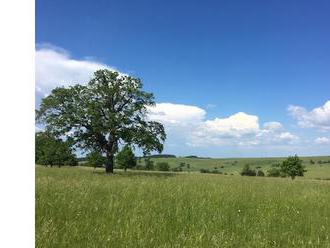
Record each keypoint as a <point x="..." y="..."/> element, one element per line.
<point x="109" y="163"/>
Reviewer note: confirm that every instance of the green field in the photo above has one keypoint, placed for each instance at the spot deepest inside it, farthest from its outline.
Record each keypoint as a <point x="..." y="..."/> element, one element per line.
<point x="82" y="207"/>
<point x="235" y="165"/>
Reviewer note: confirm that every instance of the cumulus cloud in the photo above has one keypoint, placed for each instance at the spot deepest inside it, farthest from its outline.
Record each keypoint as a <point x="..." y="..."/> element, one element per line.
<point x="322" y="140"/>
<point x="274" y="125"/>
<point x="55" y="67"/>
<point x="316" y="118"/>
<point x="286" y="136"/>
<point x="190" y="125"/>
<point x="176" y="114"/>
<point x="185" y="124"/>
<point x="236" y="125"/>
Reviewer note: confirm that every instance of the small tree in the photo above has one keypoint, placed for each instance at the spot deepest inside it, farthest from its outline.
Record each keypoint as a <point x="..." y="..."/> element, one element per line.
<point x="293" y="167"/>
<point x="126" y="158"/>
<point x="52" y="151"/>
<point x="96" y="159"/>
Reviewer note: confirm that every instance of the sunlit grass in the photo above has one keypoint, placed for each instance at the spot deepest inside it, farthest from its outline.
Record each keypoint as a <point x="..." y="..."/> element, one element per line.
<point x="80" y="208"/>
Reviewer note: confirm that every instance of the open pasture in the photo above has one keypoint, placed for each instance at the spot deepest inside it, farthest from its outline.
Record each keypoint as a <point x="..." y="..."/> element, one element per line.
<point x="234" y="165"/>
<point x="82" y="207"/>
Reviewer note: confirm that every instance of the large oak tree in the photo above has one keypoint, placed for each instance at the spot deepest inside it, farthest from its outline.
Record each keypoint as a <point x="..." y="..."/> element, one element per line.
<point x="111" y="109"/>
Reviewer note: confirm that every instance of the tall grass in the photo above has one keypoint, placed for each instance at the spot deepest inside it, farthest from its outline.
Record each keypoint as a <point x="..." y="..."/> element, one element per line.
<point x="78" y="208"/>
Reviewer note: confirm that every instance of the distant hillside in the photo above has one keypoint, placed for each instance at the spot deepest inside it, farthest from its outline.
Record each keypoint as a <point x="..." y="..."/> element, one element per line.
<point x="160" y="156"/>
<point x="317" y="167"/>
<point x="193" y="156"/>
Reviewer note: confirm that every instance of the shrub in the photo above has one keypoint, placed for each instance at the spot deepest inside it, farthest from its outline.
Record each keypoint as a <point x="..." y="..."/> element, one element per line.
<point x="273" y="172"/>
<point x="163" y="166"/>
<point x="246" y="171"/>
<point x="204" y="170"/>
<point x="260" y="173"/>
<point x="210" y="171"/>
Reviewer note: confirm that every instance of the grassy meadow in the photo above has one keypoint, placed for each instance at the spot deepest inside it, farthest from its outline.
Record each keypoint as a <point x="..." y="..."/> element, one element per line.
<point x="235" y="165"/>
<point x="83" y="207"/>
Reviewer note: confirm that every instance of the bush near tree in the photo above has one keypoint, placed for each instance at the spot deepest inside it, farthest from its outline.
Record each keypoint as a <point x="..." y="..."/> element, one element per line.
<point x="126" y="158"/>
<point x="51" y="151"/>
<point x="95" y="159"/>
<point x="274" y="172"/>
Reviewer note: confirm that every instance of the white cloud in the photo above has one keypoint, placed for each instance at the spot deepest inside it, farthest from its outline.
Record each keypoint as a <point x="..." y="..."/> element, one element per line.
<point x="317" y="118"/>
<point x="274" y="125"/>
<point x="55" y="67"/>
<point x="322" y="140"/>
<point x="176" y="114"/>
<point x="286" y="136"/>
<point x="235" y="125"/>
<point x="185" y="124"/>
<point x="188" y="125"/>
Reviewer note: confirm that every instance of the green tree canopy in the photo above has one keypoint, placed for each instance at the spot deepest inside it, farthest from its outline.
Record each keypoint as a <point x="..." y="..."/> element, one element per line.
<point x="111" y="109"/>
<point x="293" y="167"/>
<point x="96" y="159"/>
<point x="52" y="151"/>
<point x="126" y="158"/>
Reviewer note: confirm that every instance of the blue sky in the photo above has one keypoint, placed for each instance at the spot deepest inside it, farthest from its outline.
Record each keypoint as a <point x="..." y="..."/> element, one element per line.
<point x="222" y="57"/>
